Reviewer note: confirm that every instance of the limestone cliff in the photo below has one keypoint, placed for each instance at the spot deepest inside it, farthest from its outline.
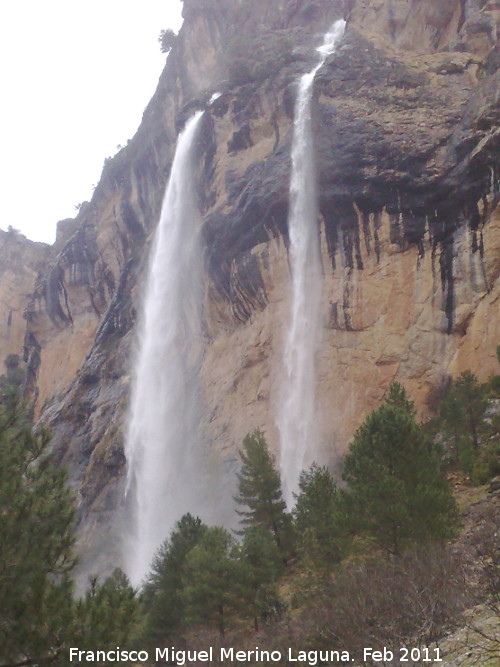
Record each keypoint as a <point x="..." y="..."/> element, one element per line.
<point x="21" y="265"/>
<point x="406" y="124"/>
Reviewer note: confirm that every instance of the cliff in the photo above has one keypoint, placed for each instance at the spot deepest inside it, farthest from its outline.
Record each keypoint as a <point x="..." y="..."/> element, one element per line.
<point x="22" y="264"/>
<point x="406" y="125"/>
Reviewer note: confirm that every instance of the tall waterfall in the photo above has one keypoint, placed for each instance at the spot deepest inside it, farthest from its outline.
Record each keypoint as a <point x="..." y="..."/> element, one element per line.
<point x="162" y="438"/>
<point x="296" y="418"/>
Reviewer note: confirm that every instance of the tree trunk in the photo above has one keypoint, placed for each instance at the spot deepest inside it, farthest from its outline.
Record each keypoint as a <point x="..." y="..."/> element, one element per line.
<point x="222" y="629"/>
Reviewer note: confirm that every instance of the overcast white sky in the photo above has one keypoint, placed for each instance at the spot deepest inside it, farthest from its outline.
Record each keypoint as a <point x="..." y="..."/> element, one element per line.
<point x="76" y="76"/>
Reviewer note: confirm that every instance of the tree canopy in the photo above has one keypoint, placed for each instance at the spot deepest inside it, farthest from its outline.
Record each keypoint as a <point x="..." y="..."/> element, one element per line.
<point x="461" y="416"/>
<point x="215" y="579"/>
<point x="167" y="40"/>
<point x="106" y="615"/>
<point x="259" y="490"/>
<point x="163" y="601"/>
<point x="320" y="537"/>
<point x="36" y="545"/>
<point x="396" y="491"/>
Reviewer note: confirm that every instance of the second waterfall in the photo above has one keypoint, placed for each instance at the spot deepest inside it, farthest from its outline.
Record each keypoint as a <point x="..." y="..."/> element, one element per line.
<point x="296" y="419"/>
<point x="162" y="441"/>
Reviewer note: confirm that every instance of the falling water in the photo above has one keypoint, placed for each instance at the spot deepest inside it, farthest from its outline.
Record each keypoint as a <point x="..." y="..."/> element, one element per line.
<point x="162" y="434"/>
<point x="296" y="416"/>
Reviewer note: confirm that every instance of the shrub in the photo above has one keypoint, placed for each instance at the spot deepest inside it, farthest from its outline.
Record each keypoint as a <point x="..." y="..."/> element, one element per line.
<point x="167" y="40"/>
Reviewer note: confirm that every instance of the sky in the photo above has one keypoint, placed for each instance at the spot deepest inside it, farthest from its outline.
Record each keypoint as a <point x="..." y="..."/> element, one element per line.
<point x="76" y="76"/>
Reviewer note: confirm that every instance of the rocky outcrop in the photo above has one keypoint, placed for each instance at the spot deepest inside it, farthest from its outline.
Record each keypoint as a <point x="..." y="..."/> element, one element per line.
<point x="21" y="266"/>
<point x="406" y="122"/>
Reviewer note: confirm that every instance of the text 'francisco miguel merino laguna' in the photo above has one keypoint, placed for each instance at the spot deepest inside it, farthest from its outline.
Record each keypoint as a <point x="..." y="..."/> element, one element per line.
<point x="184" y="657"/>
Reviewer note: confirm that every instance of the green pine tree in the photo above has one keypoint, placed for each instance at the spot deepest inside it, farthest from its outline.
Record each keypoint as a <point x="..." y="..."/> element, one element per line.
<point x="320" y="539"/>
<point x="397" y="397"/>
<point x="461" y="417"/>
<point x="396" y="492"/>
<point x="163" y="603"/>
<point x="36" y="543"/>
<point x="259" y="490"/>
<point x="106" y="616"/>
<point x="215" y="580"/>
<point x="265" y="564"/>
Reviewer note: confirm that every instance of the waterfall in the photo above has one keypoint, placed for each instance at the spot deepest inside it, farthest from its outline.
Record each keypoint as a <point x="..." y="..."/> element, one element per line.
<point x="162" y="439"/>
<point x="296" y="419"/>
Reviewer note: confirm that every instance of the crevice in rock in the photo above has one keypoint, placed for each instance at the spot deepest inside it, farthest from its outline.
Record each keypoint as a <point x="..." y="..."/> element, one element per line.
<point x="32" y="358"/>
<point x="447" y="282"/>
<point x="120" y="314"/>
<point x="130" y="219"/>
<point x="208" y="151"/>
<point x="54" y="285"/>
<point x="463" y="15"/>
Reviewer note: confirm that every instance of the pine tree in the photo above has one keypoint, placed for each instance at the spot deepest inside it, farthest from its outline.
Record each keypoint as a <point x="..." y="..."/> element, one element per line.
<point x="264" y="566"/>
<point x="259" y="490"/>
<point x="215" y="580"/>
<point x="396" y="492"/>
<point x="461" y="416"/>
<point x="36" y="541"/>
<point x="397" y="397"/>
<point x="320" y="538"/>
<point x="163" y="602"/>
<point x="106" y="616"/>
<point x="260" y="551"/>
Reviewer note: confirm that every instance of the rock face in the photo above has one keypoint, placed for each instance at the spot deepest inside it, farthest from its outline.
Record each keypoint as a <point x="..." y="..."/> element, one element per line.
<point x="21" y="265"/>
<point x="406" y="120"/>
